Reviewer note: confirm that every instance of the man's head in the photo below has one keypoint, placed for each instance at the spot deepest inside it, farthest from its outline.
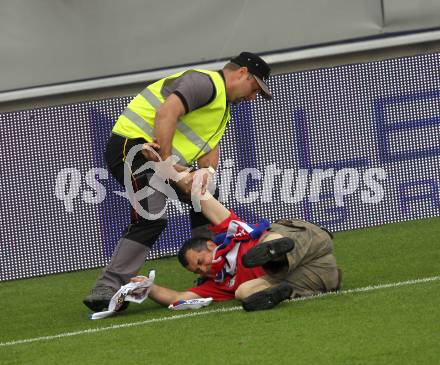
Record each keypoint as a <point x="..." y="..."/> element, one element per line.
<point x="196" y="256"/>
<point x="245" y="77"/>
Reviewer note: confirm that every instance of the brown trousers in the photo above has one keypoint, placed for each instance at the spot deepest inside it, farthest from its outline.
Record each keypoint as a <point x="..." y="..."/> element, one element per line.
<point x="310" y="268"/>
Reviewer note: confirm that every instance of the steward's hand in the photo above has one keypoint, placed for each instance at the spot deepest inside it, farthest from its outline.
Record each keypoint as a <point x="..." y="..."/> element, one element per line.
<point x="151" y="150"/>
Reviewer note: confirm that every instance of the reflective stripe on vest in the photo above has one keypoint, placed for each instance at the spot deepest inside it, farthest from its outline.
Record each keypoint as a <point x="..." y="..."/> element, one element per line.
<point x="180" y="126"/>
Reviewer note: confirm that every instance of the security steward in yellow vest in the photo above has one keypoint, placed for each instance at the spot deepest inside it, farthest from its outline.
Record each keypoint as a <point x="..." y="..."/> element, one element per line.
<point x="186" y="114"/>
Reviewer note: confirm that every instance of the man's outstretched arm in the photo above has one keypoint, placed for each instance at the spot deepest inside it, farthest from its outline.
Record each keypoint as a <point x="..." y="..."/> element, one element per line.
<point x="165" y="296"/>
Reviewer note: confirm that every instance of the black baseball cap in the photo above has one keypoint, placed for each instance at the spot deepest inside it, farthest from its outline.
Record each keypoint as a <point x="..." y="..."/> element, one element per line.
<point x="258" y="68"/>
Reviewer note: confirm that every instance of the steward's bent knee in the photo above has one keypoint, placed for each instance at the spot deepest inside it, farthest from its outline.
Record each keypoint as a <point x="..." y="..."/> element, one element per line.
<point x="145" y="232"/>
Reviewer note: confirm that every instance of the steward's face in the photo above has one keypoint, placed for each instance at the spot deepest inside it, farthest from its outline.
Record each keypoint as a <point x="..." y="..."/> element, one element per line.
<point x="247" y="89"/>
<point x="243" y="86"/>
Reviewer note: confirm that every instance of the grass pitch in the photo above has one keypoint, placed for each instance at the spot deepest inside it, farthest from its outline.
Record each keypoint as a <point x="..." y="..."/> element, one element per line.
<point x="389" y="325"/>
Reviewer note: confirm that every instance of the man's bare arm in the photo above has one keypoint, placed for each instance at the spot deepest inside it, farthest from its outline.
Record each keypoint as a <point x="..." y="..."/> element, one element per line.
<point x="211" y="158"/>
<point x="213" y="210"/>
<point x="165" y="123"/>
<point x="165" y="296"/>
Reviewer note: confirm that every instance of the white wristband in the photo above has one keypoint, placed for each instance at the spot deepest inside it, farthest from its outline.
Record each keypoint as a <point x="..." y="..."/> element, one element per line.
<point x="211" y="170"/>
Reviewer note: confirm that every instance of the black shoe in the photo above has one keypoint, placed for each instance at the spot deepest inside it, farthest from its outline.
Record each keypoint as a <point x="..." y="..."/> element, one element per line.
<point x="99" y="298"/>
<point x="267" y="251"/>
<point x="268" y="298"/>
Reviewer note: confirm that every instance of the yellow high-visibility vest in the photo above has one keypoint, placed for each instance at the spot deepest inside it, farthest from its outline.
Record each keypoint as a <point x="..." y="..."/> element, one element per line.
<point x="197" y="132"/>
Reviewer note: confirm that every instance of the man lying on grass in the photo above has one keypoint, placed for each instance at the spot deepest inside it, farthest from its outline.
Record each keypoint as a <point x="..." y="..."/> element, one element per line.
<point x="261" y="265"/>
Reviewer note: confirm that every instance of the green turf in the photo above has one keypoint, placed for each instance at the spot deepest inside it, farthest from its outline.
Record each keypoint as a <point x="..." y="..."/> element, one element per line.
<point x="387" y="326"/>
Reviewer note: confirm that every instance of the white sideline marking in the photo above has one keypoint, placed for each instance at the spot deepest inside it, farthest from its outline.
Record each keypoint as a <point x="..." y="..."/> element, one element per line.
<point x="221" y="310"/>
